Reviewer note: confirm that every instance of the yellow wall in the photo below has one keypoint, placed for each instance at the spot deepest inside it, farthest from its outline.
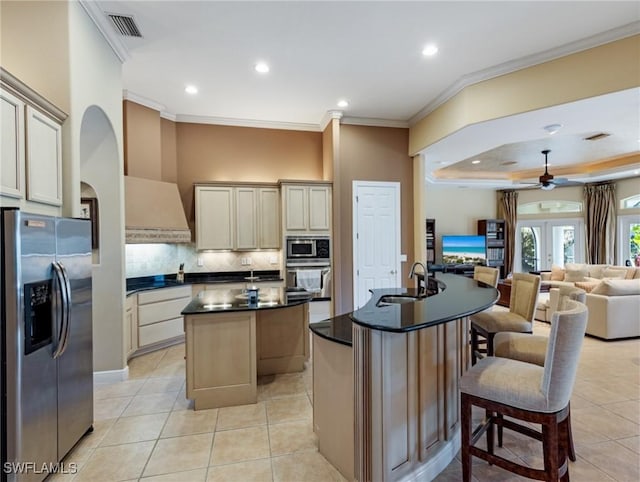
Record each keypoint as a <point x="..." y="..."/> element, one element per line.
<point x="608" y="68"/>
<point x="142" y="146"/>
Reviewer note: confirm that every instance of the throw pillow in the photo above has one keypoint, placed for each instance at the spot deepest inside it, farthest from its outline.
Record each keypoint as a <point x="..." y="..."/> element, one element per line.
<point x="588" y="286"/>
<point x="557" y="273"/>
<point x="573" y="275"/>
<point x="614" y="273"/>
<point x="596" y="270"/>
<point x="617" y="287"/>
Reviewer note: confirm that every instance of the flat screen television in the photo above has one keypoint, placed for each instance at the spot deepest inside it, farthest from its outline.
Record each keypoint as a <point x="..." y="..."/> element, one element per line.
<point x="464" y="249"/>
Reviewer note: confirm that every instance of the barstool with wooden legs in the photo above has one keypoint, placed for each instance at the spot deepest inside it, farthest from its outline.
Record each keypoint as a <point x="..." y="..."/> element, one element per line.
<point x="533" y="348"/>
<point x="522" y="305"/>
<point x="528" y="393"/>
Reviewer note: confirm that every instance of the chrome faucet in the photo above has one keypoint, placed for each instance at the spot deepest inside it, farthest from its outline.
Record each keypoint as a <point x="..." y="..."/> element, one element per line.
<point x="413" y="269"/>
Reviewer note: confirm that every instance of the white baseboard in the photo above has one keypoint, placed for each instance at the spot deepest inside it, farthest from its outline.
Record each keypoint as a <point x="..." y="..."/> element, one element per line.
<point x="111" y="376"/>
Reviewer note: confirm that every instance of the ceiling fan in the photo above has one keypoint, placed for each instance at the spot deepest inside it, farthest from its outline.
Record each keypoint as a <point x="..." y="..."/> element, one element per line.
<point x="547" y="181"/>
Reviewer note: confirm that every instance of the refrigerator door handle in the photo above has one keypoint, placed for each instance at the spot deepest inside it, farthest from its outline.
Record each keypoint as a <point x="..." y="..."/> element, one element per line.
<point x="63" y="307"/>
<point x="67" y="304"/>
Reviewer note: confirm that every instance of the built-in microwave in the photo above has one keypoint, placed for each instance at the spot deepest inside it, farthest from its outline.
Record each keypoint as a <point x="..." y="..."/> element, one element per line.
<point x="308" y="250"/>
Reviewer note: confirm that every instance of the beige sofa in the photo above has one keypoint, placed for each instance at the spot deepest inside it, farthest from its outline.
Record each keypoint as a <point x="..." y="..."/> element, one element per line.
<point x="614" y="308"/>
<point x="586" y="276"/>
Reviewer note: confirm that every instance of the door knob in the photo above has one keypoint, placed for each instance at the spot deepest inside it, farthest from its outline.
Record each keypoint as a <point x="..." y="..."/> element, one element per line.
<point x="393" y="271"/>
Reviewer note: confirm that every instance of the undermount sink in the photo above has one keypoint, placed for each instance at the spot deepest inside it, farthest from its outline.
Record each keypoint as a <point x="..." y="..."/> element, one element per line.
<point x="387" y="300"/>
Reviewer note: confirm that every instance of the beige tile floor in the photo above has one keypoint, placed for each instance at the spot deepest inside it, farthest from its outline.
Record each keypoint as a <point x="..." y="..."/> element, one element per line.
<point x="146" y="430"/>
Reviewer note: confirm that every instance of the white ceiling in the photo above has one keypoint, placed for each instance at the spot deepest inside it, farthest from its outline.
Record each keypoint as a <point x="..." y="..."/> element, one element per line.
<point x="369" y="52"/>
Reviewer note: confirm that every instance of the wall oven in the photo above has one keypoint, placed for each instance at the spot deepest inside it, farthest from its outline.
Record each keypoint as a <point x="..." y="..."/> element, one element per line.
<point x="308" y="263"/>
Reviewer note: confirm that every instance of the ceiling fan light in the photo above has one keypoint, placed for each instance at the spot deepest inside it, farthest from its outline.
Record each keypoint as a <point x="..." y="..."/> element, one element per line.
<point x="548" y="186"/>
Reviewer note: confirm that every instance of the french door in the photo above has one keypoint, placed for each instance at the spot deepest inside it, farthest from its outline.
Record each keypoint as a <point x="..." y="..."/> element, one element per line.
<point x="629" y="239"/>
<point x="539" y="244"/>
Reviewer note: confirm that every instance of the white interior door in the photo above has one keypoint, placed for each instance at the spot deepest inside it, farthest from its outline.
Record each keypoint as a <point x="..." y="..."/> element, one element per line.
<point x="539" y="244"/>
<point x="376" y="238"/>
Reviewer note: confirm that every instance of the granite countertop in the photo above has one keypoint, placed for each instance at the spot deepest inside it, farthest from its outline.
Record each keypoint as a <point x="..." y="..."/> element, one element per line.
<point x="225" y="300"/>
<point x="169" y="280"/>
<point x="459" y="297"/>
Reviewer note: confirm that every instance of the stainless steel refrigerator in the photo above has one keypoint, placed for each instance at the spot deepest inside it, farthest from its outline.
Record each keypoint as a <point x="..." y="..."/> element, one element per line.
<point x="47" y="361"/>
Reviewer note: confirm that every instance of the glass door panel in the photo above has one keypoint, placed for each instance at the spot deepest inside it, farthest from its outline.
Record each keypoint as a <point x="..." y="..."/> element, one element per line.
<point x="539" y="244"/>
<point x="629" y="245"/>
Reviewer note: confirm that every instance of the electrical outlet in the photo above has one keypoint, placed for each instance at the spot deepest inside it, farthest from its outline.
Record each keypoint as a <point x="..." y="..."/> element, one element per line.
<point x="249" y="261"/>
<point x="273" y="259"/>
<point x="243" y="261"/>
<point x="200" y="261"/>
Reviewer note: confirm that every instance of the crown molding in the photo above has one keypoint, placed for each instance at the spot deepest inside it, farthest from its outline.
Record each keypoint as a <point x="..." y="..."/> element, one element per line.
<point x="368" y="121"/>
<point x="328" y="117"/>
<point x="168" y="116"/>
<point x="96" y="14"/>
<point x="144" y="101"/>
<point x="261" y="124"/>
<point x="525" y="62"/>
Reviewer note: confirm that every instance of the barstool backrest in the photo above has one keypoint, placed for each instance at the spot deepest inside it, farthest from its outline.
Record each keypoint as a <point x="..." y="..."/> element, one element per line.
<point x="486" y="275"/>
<point x="563" y="353"/>
<point x="524" y="295"/>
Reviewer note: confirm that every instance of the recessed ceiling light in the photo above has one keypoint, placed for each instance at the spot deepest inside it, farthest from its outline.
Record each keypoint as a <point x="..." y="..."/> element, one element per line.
<point x="191" y="89"/>
<point x="476" y="161"/>
<point x="262" y="67"/>
<point x="430" y="50"/>
<point x="343" y="103"/>
<point x="552" y="128"/>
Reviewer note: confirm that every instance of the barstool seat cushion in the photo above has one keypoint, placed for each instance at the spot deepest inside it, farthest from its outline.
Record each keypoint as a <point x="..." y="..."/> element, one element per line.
<point x="495" y="321"/>
<point x="511" y="382"/>
<point x="521" y="346"/>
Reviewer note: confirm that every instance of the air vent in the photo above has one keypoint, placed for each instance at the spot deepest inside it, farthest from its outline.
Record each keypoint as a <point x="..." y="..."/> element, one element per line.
<point x="125" y="25"/>
<point x="597" y="137"/>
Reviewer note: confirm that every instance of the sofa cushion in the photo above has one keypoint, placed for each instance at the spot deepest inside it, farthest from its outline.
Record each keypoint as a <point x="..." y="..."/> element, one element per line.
<point x="573" y="275"/>
<point x="588" y="285"/>
<point x="617" y="287"/>
<point x="613" y="273"/>
<point x="596" y="270"/>
<point x="557" y="273"/>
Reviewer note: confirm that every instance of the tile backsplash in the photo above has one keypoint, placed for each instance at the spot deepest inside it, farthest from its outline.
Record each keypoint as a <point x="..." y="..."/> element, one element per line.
<point x="154" y="259"/>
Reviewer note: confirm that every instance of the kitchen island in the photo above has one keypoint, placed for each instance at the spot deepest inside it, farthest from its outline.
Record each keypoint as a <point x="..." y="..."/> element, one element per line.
<point x="385" y="380"/>
<point x="231" y="338"/>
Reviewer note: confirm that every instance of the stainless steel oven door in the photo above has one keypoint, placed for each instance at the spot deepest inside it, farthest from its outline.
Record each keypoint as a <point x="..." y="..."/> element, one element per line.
<point x="314" y="279"/>
<point x="301" y="248"/>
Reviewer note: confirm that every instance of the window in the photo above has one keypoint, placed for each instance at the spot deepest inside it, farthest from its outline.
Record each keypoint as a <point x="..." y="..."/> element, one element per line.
<point x="630" y="202"/>
<point x="550" y="207"/>
<point x="629" y="239"/>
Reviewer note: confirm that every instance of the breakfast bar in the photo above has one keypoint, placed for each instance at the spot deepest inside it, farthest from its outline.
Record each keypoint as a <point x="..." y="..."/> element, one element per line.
<point x="234" y="335"/>
<point x="385" y="380"/>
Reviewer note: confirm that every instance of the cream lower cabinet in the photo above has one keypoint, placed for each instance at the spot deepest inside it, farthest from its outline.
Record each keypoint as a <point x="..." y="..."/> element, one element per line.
<point x="159" y="315"/>
<point x="306" y="208"/>
<point x="131" y="325"/>
<point x="237" y="217"/>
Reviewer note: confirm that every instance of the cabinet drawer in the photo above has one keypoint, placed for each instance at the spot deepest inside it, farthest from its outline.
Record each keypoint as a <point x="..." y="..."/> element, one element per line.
<point x="163" y="310"/>
<point x="161" y="331"/>
<point x="164" y="294"/>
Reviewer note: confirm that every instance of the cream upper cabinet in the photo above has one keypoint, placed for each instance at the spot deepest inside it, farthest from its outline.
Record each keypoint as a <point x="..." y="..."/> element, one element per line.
<point x="307" y="208"/>
<point x="246" y="218"/>
<point x="237" y="217"/>
<point x="269" y="217"/>
<point x="12" y="146"/>
<point x="44" y="158"/>
<point x="214" y="217"/>
<point x="30" y="148"/>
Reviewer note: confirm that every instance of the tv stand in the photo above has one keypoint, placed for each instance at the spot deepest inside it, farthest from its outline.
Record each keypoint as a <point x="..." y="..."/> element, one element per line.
<point x="463" y="269"/>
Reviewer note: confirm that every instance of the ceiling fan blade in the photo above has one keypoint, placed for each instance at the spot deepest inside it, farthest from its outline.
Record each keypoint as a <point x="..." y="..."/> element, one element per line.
<point x="563" y="181"/>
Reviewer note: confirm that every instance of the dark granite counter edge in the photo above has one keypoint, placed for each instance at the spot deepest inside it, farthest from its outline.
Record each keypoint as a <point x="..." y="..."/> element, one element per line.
<point x="194" y="307"/>
<point x="143" y="283"/>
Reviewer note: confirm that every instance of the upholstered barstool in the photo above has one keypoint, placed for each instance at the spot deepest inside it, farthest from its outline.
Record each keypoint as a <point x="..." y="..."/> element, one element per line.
<point x="522" y="304"/>
<point x="486" y="275"/>
<point x="529" y="393"/>
<point x="533" y="348"/>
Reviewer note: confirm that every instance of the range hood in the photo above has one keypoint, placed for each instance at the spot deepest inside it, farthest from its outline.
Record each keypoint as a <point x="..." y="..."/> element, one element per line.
<point x="154" y="212"/>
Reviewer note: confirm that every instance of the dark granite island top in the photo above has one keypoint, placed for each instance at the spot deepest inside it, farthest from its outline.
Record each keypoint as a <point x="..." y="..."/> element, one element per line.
<point x="459" y="296"/>
<point x="385" y="380"/>
<point x="227" y="300"/>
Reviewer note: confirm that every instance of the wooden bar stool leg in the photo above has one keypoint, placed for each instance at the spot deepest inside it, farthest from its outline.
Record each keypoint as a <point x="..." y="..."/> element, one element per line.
<point x="465" y="421"/>
<point x="474" y="345"/>
<point x="569" y="435"/>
